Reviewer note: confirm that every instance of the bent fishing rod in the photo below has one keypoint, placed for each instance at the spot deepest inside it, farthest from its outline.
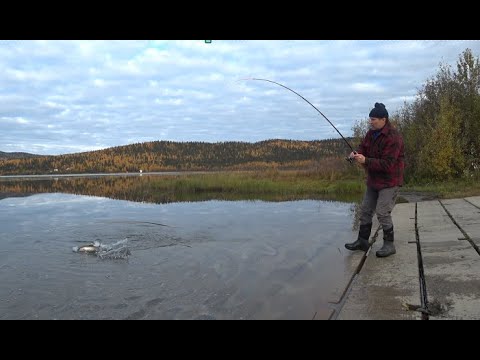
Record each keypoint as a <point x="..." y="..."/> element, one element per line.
<point x="274" y="82"/>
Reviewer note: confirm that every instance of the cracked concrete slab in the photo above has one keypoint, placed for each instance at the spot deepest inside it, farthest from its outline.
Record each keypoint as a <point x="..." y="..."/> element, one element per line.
<point x="389" y="288"/>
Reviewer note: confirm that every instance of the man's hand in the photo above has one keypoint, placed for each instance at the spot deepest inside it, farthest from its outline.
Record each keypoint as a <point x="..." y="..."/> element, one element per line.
<point x="359" y="158"/>
<point x="351" y="157"/>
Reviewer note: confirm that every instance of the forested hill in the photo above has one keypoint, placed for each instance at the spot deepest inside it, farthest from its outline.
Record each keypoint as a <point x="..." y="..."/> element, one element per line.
<point x="172" y="156"/>
<point x="16" y="155"/>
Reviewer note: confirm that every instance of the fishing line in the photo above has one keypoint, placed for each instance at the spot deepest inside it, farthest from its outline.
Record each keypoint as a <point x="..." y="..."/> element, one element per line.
<point x="296" y="93"/>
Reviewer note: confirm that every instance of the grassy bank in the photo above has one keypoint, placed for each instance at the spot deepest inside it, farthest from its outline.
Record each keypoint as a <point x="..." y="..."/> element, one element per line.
<point x="298" y="184"/>
<point x="268" y="182"/>
<point x="447" y="189"/>
<point x="268" y="185"/>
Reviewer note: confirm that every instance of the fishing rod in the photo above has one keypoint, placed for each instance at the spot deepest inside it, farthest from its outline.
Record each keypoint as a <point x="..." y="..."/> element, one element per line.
<point x="274" y="82"/>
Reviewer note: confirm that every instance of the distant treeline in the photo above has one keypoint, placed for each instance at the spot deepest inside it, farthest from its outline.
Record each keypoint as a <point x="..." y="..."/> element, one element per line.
<point x="184" y="156"/>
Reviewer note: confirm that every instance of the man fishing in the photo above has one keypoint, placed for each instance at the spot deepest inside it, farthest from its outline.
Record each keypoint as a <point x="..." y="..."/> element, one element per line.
<point x="381" y="153"/>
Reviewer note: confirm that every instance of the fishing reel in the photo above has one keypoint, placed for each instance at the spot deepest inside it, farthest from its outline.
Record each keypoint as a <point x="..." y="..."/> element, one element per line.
<point x="351" y="159"/>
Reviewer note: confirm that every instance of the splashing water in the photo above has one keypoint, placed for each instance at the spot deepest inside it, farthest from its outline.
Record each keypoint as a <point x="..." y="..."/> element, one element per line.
<point x="117" y="250"/>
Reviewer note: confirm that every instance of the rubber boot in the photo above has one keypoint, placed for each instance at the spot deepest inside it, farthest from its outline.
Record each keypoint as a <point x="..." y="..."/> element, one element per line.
<point x="388" y="248"/>
<point x="362" y="241"/>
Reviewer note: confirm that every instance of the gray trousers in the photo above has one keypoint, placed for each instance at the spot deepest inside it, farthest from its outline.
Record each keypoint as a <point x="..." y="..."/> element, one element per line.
<point x="381" y="202"/>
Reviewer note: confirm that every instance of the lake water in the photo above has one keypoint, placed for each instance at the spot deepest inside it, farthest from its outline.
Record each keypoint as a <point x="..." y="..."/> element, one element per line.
<point x="243" y="259"/>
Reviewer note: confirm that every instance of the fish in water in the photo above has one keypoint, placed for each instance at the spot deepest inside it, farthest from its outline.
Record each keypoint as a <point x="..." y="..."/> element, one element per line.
<point x="90" y="248"/>
<point x="118" y="250"/>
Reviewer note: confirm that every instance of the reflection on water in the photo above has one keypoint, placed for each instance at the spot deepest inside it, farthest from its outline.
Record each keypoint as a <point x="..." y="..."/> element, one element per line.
<point x="133" y="188"/>
<point x="212" y="260"/>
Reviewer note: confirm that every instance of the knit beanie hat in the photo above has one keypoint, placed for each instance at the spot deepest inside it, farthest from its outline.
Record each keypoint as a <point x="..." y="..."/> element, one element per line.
<point x="379" y="111"/>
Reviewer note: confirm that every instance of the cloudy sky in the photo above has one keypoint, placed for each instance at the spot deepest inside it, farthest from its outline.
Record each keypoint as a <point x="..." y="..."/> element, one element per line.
<point x="59" y="97"/>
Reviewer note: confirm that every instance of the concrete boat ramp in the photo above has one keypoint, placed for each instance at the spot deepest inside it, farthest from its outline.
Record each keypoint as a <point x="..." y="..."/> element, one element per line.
<point x="435" y="274"/>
